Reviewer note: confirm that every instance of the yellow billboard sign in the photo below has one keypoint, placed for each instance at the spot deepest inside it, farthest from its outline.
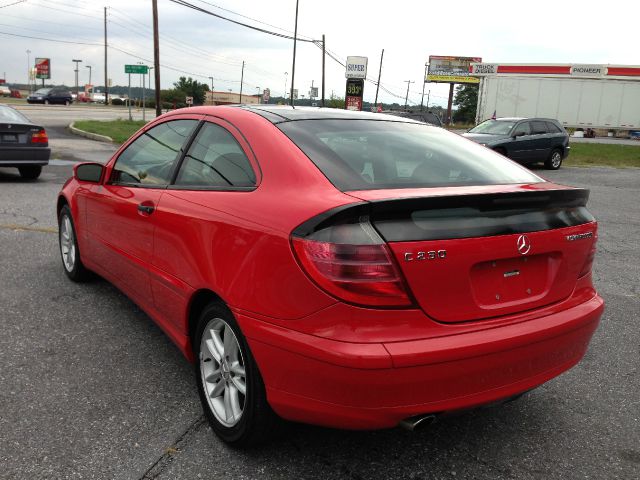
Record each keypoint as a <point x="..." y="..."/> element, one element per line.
<point x="451" y="69"/>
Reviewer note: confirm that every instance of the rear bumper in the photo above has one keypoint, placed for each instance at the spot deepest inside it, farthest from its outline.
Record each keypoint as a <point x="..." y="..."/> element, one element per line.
<point x="22" y="156"/>
<point x="566" y="151"/>
<point x="376" y="385"/>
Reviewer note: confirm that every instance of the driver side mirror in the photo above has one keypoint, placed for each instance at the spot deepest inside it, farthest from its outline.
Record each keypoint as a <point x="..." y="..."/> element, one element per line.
<point x="518" y="134"/>
<point x="88" y="172"/>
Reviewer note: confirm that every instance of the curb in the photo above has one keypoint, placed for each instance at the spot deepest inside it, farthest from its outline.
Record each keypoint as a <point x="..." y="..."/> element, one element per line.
<point x="92" y="136"/>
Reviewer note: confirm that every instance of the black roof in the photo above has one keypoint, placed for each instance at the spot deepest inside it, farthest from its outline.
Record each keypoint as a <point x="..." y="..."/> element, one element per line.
<point x="284" y="113"/>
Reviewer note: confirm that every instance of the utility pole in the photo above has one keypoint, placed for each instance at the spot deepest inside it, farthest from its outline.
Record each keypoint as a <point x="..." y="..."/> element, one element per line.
<point x="323" y="58"/>
<point x="106" y="79"/>
<point x="211" y="78"/>
<point x="450" y="104"/>
<point x="76" y="70"/>
<point x="375" y="102"/>
<point x="241" y="81"/>
<point x="406" y="99"/>
<point x="156" y="56"/>
<point x="424" y="80"/>
<point x="293" y="67"/>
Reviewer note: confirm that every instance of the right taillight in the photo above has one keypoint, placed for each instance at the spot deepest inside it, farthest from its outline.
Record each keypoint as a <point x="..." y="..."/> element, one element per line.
<point x="352" y="262"/>
<point x="39" y="136"/>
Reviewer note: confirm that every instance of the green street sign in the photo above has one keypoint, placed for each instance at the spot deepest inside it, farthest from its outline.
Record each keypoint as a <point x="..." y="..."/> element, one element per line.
<point x="143" y="69"/>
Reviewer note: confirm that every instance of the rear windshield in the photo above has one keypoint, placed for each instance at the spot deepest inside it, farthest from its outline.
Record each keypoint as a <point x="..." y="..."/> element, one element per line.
<point x="370" y="154"/>
<point x="494" y="127"/>
<point x="9" y="115"/>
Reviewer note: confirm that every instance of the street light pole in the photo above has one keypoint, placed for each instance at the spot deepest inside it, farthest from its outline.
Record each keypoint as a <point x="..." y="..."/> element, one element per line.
<point x="76" y="70"/>
<point x="29" y="69"/>
<point x="241" y="81"/>
<point x="149" y="71"/>
<point x="284" y="97"/>
<point x="211" y="78"/>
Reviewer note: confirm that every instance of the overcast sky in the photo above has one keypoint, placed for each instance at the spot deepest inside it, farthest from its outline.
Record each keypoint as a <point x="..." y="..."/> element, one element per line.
<point x="203" y="46"/>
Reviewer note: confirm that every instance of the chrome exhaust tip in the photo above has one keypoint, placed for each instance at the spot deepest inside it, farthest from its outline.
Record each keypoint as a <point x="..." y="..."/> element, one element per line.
<point x="418" y="422"/>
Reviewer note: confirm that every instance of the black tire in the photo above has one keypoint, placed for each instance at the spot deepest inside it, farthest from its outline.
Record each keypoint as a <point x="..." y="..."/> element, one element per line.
<point x="555" y="160"/>
<point x="75" y="270"/>
<point x="30" y="172"/>
<point x="256" y="420"/>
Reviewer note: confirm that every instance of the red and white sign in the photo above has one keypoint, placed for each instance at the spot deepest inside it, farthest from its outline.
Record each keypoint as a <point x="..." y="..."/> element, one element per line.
<point x="630" y="72"/>
<point x="353" y="103"/>
<point x="43" y="68"/>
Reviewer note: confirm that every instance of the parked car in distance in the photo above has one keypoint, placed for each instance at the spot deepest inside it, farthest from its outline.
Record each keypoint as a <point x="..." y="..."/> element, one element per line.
<point x="5" y="91"/>
<point x="23" y="144"/>
<point x="348" y="269"/>
<point x="525" y="140"/>
<point x="425" y="117"/>
<point x="51" y="95"/>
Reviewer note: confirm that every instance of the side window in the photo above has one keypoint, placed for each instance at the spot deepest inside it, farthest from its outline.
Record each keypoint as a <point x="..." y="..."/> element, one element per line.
<point x="538" y="128"/>
<point x="553" y="128"/>
<point x="523" y="129"/>
<point x="215" y="159"/>
<point x="149" y="160"/>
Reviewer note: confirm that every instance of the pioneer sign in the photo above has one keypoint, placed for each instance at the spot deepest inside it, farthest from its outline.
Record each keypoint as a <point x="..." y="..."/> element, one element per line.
<point x="588" y="70"/>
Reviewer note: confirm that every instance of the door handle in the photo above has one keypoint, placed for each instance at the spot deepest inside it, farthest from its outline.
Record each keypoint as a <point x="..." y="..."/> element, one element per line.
<point x="148" y="209"/>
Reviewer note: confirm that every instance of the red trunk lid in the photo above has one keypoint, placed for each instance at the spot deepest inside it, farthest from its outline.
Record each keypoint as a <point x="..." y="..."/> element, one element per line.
<point x="477" y="255"/>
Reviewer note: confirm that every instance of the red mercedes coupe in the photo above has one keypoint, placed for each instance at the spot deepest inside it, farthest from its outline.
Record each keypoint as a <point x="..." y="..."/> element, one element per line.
<point x="346" y="269"/>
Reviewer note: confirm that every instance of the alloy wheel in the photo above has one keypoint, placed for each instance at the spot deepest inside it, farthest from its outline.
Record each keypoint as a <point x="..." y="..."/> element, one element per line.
<point x="67" y="244"/>
<point x="222" y="372"/>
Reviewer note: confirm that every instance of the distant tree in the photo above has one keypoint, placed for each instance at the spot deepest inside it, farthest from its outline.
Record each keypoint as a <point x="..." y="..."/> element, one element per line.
<point x="466" y="100"/>
<point x="188" y="87"/>
<point x="334" y="102"/>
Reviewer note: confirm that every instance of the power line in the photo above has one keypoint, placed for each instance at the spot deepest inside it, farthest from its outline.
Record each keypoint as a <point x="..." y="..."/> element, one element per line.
<point x="14" y="3"/>
<point x="51" y="39"/>
<point x="49" y="22"/>
<point x="250" y="18"/>
<point x="65" y="11"/>
<point x="258" y="29"/>
<point x="33" y="29"/>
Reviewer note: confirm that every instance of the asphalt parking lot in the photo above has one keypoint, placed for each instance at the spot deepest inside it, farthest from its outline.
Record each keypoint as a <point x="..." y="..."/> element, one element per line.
<point x="91" y="388"/>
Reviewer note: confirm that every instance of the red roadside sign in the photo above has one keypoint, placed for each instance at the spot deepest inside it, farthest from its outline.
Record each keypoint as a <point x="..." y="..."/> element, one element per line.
<point x="43" y="68"/>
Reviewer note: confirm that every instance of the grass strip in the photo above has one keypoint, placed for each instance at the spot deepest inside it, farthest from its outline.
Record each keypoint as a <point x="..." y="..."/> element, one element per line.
<point x="602" y="154"/>
<point x="119" y="130"/>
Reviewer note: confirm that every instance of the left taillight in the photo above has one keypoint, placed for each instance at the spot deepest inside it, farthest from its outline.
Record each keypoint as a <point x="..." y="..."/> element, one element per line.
<point x="353" y="263"/>
<point x="39" y="137"/>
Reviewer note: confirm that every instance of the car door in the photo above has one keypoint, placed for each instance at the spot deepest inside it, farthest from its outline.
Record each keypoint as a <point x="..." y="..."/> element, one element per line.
<point x="519" y="147"/>
<point x="557" y="135"/>
<point x="121" y="212"/>
<point x="541" y="140"/>
<point x="196" y="217"/>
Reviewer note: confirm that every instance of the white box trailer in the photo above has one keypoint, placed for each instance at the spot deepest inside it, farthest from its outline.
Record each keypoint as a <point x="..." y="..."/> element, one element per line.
<point x="575" y="101"/>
